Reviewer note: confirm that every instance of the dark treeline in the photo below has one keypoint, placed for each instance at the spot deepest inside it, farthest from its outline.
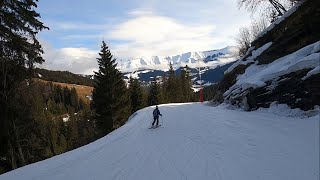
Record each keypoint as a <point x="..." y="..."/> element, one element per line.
<point x="37" y="120"/>
<point x="215" y="92"/>
<point x="170" y="88"/>
<point x="211" y="92"/>
<point x="39" y="131"/>
<point x="62" y="76"/>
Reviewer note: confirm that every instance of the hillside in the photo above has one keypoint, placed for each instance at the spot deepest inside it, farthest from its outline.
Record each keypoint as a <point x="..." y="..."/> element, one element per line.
<point x="63" y="77"/>
<point x="282" y="66"/>
<point x="84" y="92"/>
<point x="208" y="75"/>
<point x="195" y="142"/>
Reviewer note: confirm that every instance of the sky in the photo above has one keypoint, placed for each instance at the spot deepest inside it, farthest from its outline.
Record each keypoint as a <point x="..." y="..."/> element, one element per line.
<point x="133" y="28"/>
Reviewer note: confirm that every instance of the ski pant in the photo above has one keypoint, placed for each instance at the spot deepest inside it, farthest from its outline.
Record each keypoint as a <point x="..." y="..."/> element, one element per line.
<point x="155" y="118"/>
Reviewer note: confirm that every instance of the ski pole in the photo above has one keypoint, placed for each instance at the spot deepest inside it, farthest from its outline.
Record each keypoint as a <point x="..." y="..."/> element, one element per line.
<point x="151" y="124"/>
<point x="162" y="121"/>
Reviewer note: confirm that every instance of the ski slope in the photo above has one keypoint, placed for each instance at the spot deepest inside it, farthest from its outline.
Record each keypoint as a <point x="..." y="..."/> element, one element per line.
<point x="195" y="142"/>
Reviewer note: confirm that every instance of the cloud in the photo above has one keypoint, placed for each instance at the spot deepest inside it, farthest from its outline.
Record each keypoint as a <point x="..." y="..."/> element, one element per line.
<point x="148" y="34"/>
<point x="76" y="60"/>
<point x="65" y="25"/>
<point x="149" y="28"/>
<point x="139" y="12"/>
<point x="82" y="37"/>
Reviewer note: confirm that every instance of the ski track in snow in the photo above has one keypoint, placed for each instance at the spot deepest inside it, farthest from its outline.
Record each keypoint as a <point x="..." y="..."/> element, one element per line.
<point x="195" y="142"/>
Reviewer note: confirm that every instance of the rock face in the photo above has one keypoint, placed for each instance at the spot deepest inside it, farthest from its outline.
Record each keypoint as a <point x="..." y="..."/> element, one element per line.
<point x="282" y="65"/>
<point x="291" y="90"/>
<point x="301" y="28"/>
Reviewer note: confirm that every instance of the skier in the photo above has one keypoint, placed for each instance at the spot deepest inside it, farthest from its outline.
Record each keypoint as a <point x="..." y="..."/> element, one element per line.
<point x="156" y="114"/>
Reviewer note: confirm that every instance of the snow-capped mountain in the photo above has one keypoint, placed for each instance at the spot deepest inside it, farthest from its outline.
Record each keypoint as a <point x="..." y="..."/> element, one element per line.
<point x="211" y="59"/>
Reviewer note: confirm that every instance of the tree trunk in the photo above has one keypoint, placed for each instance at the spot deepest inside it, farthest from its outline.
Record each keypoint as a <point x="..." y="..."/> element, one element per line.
<point x="17" y="139"/>
<point x="278" y="7"/>
<point x="12" y="157"/>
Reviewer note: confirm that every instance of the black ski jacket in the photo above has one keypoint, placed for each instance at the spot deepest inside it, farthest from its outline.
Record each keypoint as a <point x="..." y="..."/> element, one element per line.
<point x="156" y="113"/>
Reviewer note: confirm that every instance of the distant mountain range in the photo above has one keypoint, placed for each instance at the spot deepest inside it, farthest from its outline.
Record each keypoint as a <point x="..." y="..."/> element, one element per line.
<point x="195" y="59"/>
<point x="212" y="63"/>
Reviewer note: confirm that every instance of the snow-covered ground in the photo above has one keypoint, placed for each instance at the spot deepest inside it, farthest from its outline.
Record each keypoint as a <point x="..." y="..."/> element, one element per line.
<point x="195" y="142"/>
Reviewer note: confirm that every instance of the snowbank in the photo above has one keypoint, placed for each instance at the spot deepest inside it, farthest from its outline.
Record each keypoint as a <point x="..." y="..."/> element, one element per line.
<point x="286" y="111"/>
<point x="314" y="71"/>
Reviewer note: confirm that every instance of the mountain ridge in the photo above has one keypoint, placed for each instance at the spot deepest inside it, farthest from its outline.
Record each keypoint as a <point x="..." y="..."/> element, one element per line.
<point x="193" y="59"/>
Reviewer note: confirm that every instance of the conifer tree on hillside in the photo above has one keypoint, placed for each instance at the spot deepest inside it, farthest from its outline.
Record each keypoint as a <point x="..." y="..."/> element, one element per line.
<point x="66" y="96"/>
<point x="19" y="48"/>
<point x="172" y="87"/>
<point x="110" y="97"/>
<point x="136" y="95"/>
<point x="74" y="99"/>
<point x="185" y="85"/>
<point x="154" y="97"/>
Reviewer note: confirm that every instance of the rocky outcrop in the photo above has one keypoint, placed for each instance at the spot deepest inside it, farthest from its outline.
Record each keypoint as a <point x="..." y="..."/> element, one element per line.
<point x="301" y="28"/>
<point x="278" y="66"/>
<point x="291" y="90"/>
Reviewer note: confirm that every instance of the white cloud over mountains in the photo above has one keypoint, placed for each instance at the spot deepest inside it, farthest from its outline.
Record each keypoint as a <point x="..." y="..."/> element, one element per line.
<point x="142" y="33"/>
<point x="148" y="34"/>
<point x="76" y="60"/>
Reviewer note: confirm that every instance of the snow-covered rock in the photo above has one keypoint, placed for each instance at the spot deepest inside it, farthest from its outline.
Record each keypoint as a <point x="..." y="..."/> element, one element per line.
<point x="250" y="59"/>
<point x="257" y="75"/>
<point x="281" y="66"/>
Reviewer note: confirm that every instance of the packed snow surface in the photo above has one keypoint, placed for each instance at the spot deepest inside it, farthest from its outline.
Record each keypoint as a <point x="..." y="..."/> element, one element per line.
<point x="195" y="141"/>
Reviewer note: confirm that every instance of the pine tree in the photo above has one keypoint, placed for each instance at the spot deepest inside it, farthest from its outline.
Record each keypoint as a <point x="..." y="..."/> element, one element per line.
<point x="163" y="88"/>
<point x="154" y="97"/>
<point x="58" y="94"/>
<point x="66" y="96"/>
<point x="110" y="97"/>
<point x="82" y="104"/>
<point x="74" y="99"/>
<point x="39" y="127"/>
<point x="185" y="85"/>
<point x="19" y="51"/>
<point x="136" y="95"/>
<point x="172" y="87"/>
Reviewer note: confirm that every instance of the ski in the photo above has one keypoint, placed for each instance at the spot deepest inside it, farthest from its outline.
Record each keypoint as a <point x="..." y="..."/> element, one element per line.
<point x="154" y="127"/>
